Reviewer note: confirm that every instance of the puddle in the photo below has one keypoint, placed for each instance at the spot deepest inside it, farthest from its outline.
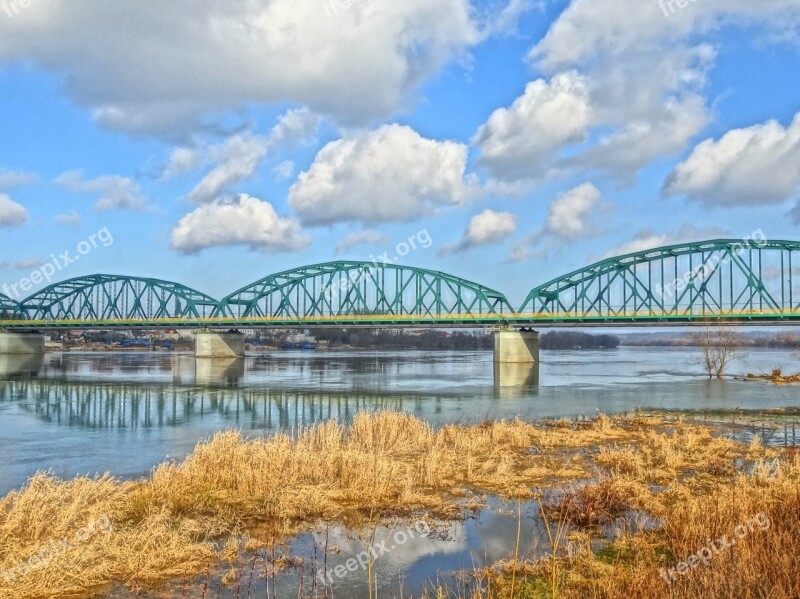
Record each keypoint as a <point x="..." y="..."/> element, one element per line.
<point x="402" y="559"/>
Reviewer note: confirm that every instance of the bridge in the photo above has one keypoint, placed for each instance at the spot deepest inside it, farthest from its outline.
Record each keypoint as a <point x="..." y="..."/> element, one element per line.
<point x="720" y="280"/>
<point x="724" y="280"/>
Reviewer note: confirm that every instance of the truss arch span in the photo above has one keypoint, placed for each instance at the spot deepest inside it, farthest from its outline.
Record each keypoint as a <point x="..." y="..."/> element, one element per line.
<point x="118" y="298"/>
<point x="718" y="279"/>
<point x="342" y="289"/>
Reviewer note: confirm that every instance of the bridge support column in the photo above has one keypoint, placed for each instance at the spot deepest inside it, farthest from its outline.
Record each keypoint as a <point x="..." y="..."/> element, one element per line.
<point x="21" y="343"/>
<point x="516" y="347"/>
<point x="210" y="344"/>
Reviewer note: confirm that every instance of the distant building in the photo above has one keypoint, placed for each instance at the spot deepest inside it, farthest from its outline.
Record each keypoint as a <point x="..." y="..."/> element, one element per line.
<point x="301" y="338"/>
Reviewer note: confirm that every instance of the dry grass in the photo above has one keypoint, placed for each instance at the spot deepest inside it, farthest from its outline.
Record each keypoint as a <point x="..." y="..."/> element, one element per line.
<point x="385" y="464"/>
<point x="710" y="486"/>
<point x="764" y="564"/>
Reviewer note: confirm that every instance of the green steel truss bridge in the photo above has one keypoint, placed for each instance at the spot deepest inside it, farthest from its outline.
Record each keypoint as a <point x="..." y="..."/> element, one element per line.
<point x="714" y="281"/>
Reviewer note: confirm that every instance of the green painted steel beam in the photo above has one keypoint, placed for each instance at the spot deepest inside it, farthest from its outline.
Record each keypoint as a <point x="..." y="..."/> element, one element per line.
<point x="114" y="297"/>
<point x="345" y="288"/>
<point x="718" y="280"/>
<point x="710" y="278"/>
<point x="9" y="309"/>
<point x="407" y="321"/>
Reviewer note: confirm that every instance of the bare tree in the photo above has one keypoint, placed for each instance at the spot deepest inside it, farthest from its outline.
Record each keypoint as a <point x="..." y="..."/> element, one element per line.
<point x="719" y="345"/>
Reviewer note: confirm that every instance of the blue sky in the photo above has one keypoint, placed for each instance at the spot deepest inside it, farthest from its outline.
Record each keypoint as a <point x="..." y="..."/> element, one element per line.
<point x="218" y="145"/>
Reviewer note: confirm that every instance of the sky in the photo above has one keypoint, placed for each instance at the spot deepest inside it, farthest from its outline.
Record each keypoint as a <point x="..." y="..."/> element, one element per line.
<point x="506" y="142"/>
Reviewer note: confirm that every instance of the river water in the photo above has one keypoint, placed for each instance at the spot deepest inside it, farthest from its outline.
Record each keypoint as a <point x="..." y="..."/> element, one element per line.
<point x="86" y="413"/>
<point x="123" y="413"/>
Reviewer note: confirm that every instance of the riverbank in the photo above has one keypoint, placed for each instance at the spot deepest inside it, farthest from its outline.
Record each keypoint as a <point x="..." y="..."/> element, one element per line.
<point x="587" y="474"/>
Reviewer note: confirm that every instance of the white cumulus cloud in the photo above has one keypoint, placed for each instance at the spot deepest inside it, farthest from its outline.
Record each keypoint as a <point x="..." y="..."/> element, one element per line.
<point x="116" y="192"/>
<point x="637" y="108"/>
<point x="646" y="71"/>
<point x="569" y="218"/>
<point x="236" y="160"/>
<point x="29" y="263"/>
<point x="487" y="228"/>
<point x="521" y="142"/>
<point x="245" y="221"/>
<point x="181" y="160"/>
<point x="391" y="174"/>
<point x="752" y="166"/>
<point x="568" y="213"/>
<point x="635" y="144"/>
<point x="618" y="28"/>
<point x="284" y="171"/>
<point x="11" y="213"/>
<point x="9" y="179"/>
<point x="170" y="65"/>
<point x="71" y="219"/>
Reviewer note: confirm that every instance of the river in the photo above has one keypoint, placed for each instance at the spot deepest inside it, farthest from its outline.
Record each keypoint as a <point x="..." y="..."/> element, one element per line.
<point x="84" y="413"/>
<point x="123" y="413"/>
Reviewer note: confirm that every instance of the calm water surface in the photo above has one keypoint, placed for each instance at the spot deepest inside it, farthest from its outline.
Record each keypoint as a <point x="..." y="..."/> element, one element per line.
<point x="79" y="413"/>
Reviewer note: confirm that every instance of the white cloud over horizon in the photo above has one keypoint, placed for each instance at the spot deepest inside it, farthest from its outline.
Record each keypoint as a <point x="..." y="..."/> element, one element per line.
<point x="243" y="221"/>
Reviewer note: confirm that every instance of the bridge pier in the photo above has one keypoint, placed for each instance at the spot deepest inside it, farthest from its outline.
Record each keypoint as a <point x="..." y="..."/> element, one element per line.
<point x="516" y="347"/>
<point x="21" y="343"/>
<point x="211" y="344"/>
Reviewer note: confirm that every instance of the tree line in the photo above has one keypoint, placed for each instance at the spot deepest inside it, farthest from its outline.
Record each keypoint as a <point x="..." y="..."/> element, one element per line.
<point x="576" y="340"/>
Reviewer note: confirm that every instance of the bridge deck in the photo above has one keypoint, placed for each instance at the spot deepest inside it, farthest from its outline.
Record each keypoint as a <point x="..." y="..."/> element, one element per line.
<point x="747" y="317"/>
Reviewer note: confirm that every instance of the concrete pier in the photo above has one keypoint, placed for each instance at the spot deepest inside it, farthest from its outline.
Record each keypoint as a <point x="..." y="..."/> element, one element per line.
<point x="21" y="343"/>
<point x="211" y="344"/>
<point x="516" y="347"/>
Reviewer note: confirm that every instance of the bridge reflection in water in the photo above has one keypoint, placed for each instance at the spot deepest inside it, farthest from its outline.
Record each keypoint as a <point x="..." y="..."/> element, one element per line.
<point x="141" y="391"/>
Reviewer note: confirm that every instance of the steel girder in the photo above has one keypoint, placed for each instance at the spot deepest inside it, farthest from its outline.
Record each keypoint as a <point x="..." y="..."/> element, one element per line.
<point x="109" y="297"/>
<point x="719" y="279"/>
<point x="353" y="288"/>
<point x="9" y="309"/>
